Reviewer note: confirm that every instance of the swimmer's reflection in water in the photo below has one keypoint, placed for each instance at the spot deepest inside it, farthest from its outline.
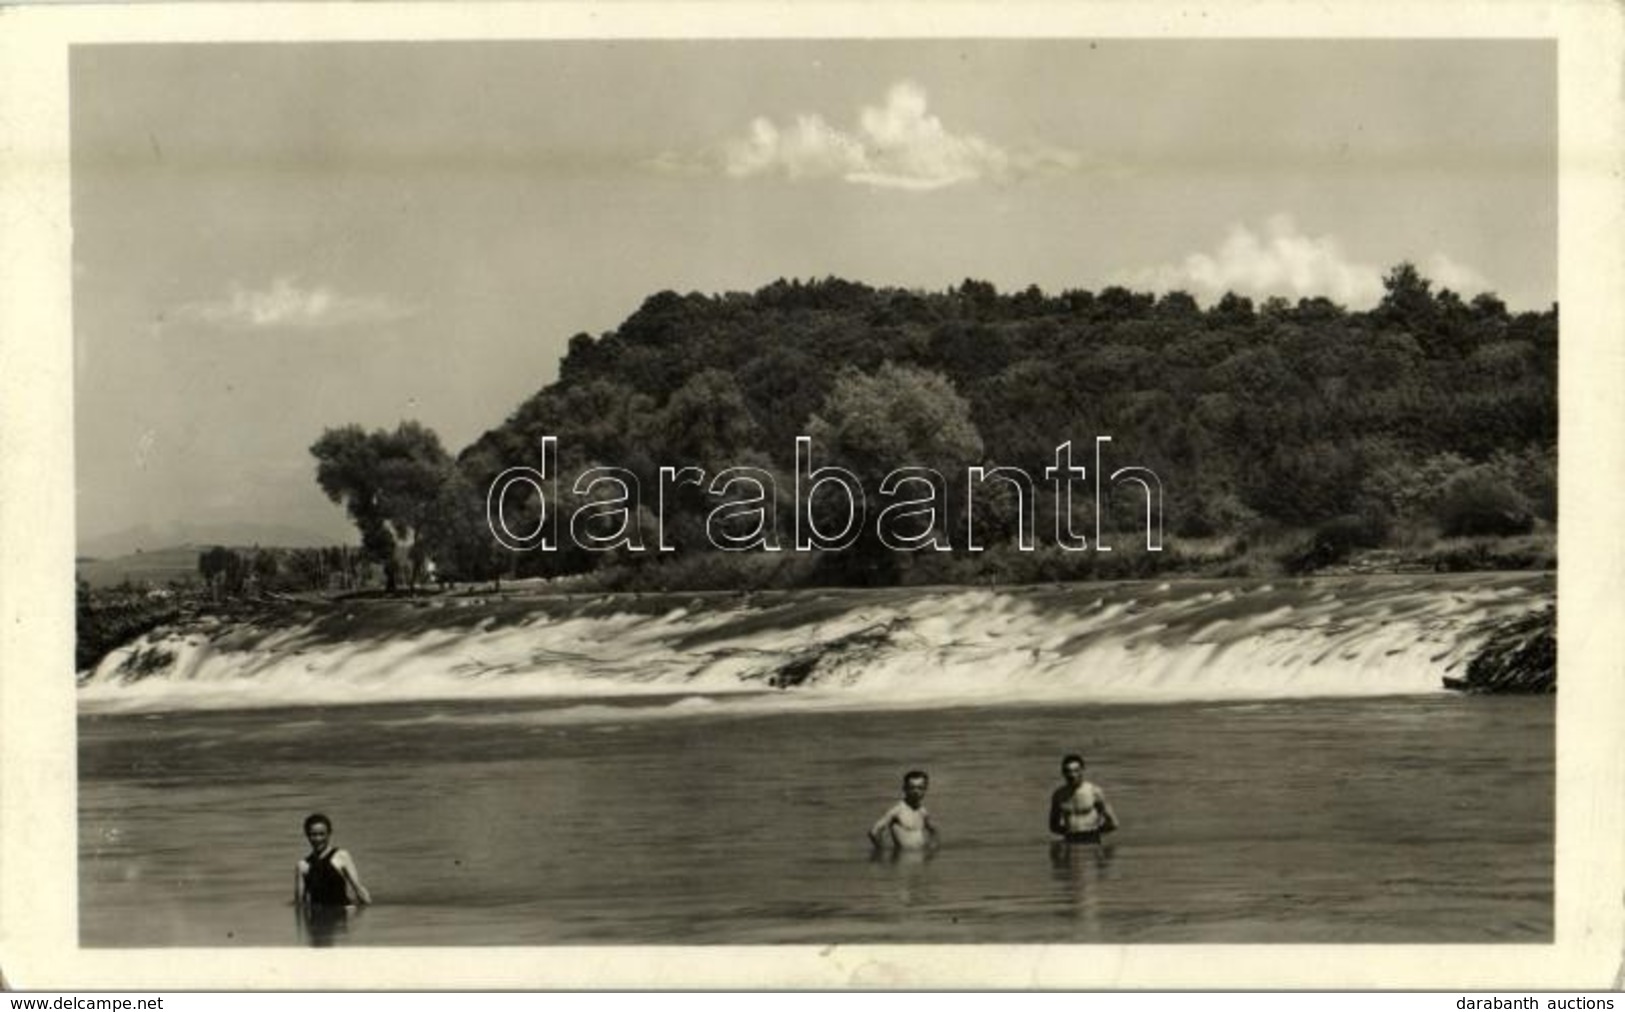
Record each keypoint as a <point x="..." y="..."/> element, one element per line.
<point x="1079" y="867"/>
<point x="906" y="869"/>
<point x="321" y="927"/>
<point x="1072" y="858"/>
<point x="903" y="858"/>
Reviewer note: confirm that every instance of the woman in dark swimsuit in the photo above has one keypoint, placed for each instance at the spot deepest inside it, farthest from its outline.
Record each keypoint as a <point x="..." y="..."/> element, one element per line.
<point x="327" y="876"/>
<point x="323" y="882"/>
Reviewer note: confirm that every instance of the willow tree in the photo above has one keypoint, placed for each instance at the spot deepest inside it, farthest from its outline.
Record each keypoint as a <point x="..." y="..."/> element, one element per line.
<point x="390" y="483"/>
<point x="874" y="424"/>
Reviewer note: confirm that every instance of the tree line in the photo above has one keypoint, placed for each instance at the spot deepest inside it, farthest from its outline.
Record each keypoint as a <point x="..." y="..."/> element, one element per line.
<point x="1430" y="415"/>
<point x="237" y="572"/>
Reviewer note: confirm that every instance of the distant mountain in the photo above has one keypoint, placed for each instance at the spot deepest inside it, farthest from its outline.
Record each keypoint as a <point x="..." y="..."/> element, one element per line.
<point x="147" y="538"/>
<point x="157" y="568"/>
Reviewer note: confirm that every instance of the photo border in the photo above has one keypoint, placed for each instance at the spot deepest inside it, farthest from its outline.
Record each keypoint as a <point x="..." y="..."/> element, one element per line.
<point x="38" y="780"/>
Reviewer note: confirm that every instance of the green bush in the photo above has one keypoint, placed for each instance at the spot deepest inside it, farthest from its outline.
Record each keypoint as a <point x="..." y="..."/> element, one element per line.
<point x="1466" y="555"/>
<point x="1334" y="541"/>
<point x="1477" y="503"/>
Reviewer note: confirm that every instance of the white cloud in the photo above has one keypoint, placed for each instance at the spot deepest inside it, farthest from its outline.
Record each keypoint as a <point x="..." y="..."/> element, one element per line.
<point x="810" y="148"/>
<point x="676" y="164"/>
<point x="1459" y="278"/>
<point x="897" y="145"/>
<point x="1281" y="260"/>
<point x="286" y="304"/>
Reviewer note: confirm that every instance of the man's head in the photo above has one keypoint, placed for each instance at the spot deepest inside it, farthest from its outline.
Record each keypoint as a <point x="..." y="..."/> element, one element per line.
<point x="915" y="783"/>
<point x="318" y="829"/>
<point x="1072" y="768"/>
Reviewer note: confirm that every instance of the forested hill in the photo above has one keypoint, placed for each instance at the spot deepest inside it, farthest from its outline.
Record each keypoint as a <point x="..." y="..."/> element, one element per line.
<point x="1429" y="415"/>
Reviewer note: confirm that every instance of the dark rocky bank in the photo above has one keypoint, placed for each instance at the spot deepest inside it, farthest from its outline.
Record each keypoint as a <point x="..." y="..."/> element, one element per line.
<point x="1519" y="659"/>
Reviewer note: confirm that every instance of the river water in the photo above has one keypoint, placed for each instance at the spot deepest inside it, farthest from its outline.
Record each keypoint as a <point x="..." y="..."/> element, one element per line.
<point x="721" y="819"/>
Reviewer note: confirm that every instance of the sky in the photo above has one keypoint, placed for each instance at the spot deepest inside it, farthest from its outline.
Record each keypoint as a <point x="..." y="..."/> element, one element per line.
<point x="275" y="239"/>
